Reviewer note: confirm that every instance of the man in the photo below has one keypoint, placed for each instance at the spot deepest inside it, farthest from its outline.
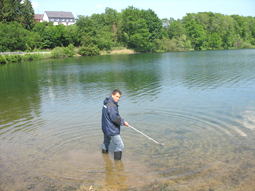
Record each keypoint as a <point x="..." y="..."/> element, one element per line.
<point x="111" y="122"/>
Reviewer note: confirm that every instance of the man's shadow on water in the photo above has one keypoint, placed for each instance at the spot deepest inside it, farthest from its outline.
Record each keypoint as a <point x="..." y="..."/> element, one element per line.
<point x="115" y="173"/>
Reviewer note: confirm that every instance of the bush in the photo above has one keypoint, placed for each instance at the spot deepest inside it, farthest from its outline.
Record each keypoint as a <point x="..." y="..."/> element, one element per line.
<point x="58" y="52"/>
<point x="7" y="58"/>
<point x="18" y="57"/>
<point x="246" y="45"/>
<point x="2" y="59"/>
<point x="27" y="57"/>
<point x="89" y="50"/>
<point x="13" y="58"/>
<point x="69" y="51"/>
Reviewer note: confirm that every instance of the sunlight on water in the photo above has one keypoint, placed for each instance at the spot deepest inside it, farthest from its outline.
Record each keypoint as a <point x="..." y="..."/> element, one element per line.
<point x="199" y="104"/>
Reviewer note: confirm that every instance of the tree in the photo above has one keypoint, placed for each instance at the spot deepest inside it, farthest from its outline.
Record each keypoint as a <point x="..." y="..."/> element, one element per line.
<point x="129" y="16"/>
<point x="141" y="36"/>
<point x="154" y="24"/>
<point x="17" y="10"/>
<point x="85" y="25"/>
<point x="196" y="34"/>
<point x="175" y="28"/>
<point x="60" y="37"/>
<point x="238" y="41"/>
<point x="27" y="15"/>
<point x="72" y="34"/>
<point x="215" y="41"/>
<point x="34" y="41"/>
<point x="111" y="16"/>
<point x="228" y="39"/>
<point x="13" y="37"/>
<point x="10" y="10"/>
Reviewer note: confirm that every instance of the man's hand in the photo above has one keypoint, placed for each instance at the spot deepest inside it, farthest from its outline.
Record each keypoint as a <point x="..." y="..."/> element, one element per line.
<point x="126" y="123"/>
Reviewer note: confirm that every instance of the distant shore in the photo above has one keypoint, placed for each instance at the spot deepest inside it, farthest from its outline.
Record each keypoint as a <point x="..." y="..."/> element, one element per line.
<point x="121" y="51"/>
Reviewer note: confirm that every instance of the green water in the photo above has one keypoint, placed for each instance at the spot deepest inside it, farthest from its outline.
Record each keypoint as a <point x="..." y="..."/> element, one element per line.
<point x="201" y="105"/>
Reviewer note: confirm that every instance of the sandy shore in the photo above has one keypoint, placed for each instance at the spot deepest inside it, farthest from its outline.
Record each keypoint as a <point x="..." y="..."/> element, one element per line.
<point x="123" y="51"/>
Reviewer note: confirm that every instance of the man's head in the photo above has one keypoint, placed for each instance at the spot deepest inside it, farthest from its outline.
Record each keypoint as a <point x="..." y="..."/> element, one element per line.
<point x="116" y="95"/>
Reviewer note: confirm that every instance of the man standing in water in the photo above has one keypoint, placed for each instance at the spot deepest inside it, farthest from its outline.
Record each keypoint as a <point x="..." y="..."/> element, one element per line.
<point x="111" y="122"/>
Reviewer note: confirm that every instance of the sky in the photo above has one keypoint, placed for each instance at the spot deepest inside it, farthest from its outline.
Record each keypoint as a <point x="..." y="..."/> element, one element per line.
<point x="163" y="8"/>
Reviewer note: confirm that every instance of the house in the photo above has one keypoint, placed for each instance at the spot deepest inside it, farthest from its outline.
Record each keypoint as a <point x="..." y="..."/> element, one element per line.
<point x="56" y="17"/>
<point x="38" y="17"/>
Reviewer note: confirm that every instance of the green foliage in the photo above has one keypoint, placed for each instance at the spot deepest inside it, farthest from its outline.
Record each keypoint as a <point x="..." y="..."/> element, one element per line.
<point x="13" y="37"/>
<point x="72" y="34"/>
<point x="154" y="24"/>
<point x="174" y="28"/>
<point x="30" y="57"/>
<point x="7" y="58"/>
<point x="246" y="45"/>
<point x="34" y="41"/>
<point x="196" y="34"/>
<point x="141" y="30"/>
<point x="89" y="50"/>
<point x="14" y="58"/>
<point x="141" y="38"/>
<point x="27" y="15"/>
<point x="215" y="41"/>
<point x="165" y="44"/>
<point x="2" y="59"/>
<point x="69" y="51"/>
<point x="58" y="52"/>
<point x="19" y="11"/>
<point x="104" y="40"/>
<point x="51" y="36"/>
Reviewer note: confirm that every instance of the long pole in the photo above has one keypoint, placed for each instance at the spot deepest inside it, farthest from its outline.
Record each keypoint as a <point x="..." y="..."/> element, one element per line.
<point x="146" y="135"/>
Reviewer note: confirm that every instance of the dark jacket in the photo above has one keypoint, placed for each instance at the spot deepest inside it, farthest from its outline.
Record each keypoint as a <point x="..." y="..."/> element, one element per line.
<point x="111" y="120"/>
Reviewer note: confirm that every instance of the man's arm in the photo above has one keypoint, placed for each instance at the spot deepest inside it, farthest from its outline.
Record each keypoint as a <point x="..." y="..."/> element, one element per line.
<point x="115" y="117"/>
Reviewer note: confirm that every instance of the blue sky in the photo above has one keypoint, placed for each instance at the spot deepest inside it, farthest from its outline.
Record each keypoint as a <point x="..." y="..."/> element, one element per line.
<point x="163" y="8"/>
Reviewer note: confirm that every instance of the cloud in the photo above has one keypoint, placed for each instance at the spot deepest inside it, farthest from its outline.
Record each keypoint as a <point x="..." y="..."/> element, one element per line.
<point x="35" y="4"/>
<point x="99" y="5"/>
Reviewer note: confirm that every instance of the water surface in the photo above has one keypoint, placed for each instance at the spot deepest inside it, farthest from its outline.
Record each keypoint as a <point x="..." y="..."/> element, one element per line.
<point x="201" y="105"/>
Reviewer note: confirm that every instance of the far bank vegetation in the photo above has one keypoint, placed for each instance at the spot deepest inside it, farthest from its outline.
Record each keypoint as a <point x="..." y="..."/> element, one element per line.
<point x="132" y="28"/>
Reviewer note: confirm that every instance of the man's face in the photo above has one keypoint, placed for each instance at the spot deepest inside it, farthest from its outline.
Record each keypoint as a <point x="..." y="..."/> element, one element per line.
<point x="116" y="97"/>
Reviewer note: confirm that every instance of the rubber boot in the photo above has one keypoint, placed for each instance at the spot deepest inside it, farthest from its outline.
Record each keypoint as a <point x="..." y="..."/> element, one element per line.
<point x="104" y="151"/>
<point x="117" y="155"/>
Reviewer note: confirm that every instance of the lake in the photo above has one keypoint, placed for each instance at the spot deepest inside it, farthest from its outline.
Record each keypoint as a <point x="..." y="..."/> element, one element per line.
<point x="201" y="105"/>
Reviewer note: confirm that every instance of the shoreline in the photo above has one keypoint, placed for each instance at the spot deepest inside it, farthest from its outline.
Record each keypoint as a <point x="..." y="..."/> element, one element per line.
<point x="103" y="52"/>
<point x="121" y="51"/>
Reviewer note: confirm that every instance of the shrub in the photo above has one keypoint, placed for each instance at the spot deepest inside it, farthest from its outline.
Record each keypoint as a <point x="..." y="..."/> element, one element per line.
<point x="27" y="57"/>
<point x="18" y="57"/>
<point x="89" y="50"/>
<point x="46" y="56"/>
<point x="2" y="59"/>
<point x="7" y="58"/>
<point x="69" y="51"/>
<point x="13" y="58"/>
<point x="58" y="52"/>
<point x="246" y="45"/>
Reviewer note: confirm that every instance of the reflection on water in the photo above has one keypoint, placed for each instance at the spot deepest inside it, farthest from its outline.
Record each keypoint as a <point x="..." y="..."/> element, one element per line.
<point x="115" y="177"/>
<point x="199" y="104"/>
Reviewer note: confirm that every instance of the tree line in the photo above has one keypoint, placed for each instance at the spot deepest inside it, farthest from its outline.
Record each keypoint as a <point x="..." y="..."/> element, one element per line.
<point x="133" y="28"/>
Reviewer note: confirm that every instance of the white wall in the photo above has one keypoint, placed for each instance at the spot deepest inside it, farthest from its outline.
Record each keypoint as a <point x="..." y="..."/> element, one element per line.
<point x="45" y="18"/>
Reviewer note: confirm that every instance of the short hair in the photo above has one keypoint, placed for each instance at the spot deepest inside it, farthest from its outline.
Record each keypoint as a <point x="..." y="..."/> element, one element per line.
<point x="116" y="91"/>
